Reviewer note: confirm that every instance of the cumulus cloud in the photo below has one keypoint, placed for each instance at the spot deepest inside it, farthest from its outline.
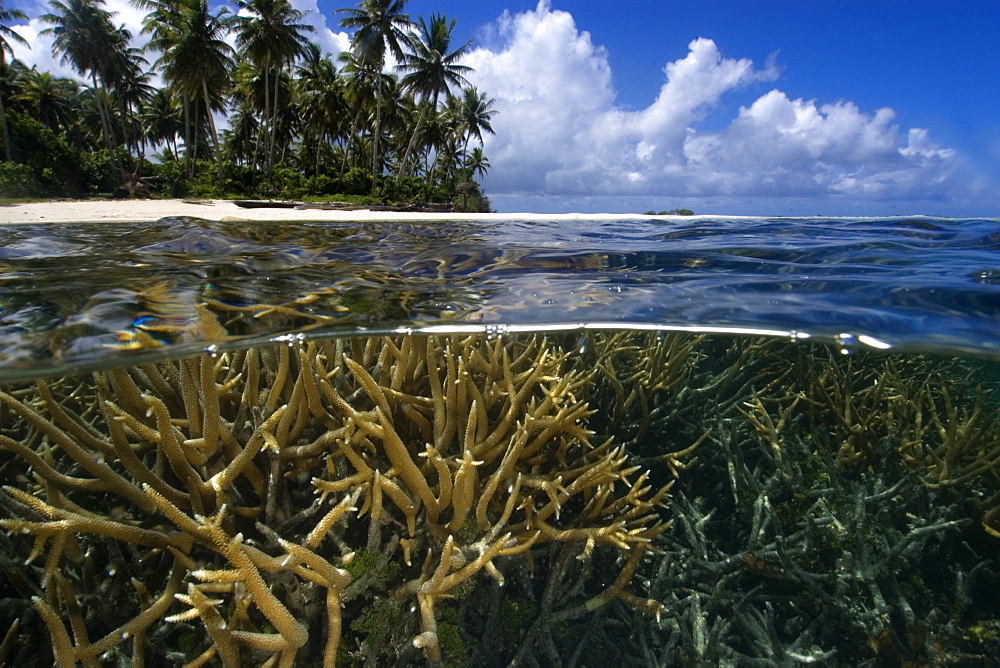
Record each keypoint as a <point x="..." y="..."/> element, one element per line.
<point x="550" y="83"/>
<point x="38" y="50"/>
<point x="560" y="131"/>
<point x="779" y="146"/>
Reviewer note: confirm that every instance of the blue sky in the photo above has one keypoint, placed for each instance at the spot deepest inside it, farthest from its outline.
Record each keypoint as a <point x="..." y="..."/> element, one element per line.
<point x="837" y="107"/>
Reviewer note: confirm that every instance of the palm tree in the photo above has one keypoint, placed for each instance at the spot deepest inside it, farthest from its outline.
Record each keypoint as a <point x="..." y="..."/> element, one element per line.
<point x="361" y="86"/>
<point x="130" y="82"/>
<point x="378" y="25"/>
<point x="240" y="139"/>
<point x="162" y="117"/>
<point x="473" y="115"/>
<point x="271" y="38"/>
<point x="50" y="98"/>
<point x="322" y="102"/>
<point x="88" y="132"/>
<point x="6" y="16"/>
<point x="431" y="69"/>
<point x="195" y="59"/>
<point x="477" y="163"/>
<point x="242" y="143"/>
<point x="12" y="75"/>
<point x="85" y="37"/>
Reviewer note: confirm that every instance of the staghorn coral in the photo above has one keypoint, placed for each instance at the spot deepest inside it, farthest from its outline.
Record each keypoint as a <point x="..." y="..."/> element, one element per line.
<point x="839" y="510"/>
<point x="362" y="500"/>
<point x="233" y="492"/>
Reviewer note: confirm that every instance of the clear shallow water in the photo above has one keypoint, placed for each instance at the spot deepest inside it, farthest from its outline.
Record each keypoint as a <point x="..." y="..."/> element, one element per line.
<point x="649" y="497"/>
<point x="86" y="294"/>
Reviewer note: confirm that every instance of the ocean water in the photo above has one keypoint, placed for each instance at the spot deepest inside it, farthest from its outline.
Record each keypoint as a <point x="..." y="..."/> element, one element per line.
<point x="658" y="442"/>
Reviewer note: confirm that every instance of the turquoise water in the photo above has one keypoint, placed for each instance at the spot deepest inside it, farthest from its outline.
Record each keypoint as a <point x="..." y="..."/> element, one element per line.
<point x="680" y="442"/>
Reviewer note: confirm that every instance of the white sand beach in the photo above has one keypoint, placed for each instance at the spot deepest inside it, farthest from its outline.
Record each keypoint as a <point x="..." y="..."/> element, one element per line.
<point x="139" y="210"/>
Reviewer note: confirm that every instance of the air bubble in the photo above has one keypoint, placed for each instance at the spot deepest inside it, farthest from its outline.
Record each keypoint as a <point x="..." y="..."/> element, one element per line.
<point x="496" y="331"/>
<point x="846" y="343"/>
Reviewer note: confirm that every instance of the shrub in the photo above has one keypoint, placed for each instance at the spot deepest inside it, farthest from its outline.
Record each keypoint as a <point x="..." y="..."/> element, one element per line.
<point x="49" y="167"/>
<point x="18" y="180"/>
<point x="356" y="181"/>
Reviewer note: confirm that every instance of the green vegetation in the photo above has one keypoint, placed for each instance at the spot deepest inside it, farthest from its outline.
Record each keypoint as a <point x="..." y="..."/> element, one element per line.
<point x="297" y="124"/>
<point x="672" y="212"/>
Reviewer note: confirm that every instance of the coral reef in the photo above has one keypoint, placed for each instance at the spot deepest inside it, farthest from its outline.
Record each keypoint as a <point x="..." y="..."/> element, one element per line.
<point x="495" y="500"/>
<point x="843" y="509"/>
<point x="257" y="492"/>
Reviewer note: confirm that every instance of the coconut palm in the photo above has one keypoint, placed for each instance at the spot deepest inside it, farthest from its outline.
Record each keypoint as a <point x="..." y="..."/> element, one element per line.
<point x="322" y="103"/>
<point x="6" y="16"/>
<point x="130" y="81"/>
<point x="12" y="81"/>
<point x="240" y="139"/>
<point x="477" y="163"/>
<point x="162" y="117"/>
<point x="6" y="33"/>
<point x="379" y="25"/>
<point x="270" y="36"/>
<point x="84" y="36"/>
<point x="195" y="59"/>
<point x="12" y="76"/>
<point x="473" y="115"/>
<point x="432" y="68"/>
<point x="50" y="98"/>
<point x="361" y="87"/>
<point x="245" y="136"/>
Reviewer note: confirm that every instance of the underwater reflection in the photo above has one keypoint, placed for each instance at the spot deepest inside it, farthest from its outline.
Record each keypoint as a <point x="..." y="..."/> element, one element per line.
<point x="133" y="289"/>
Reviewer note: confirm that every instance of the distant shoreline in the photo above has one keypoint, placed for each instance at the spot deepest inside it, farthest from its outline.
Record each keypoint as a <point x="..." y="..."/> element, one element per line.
<point x="142" y="210"/>
<point x="148" y="210"/>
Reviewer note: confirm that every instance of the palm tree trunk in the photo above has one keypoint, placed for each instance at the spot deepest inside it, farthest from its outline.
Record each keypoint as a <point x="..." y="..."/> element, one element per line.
<point x="375" y="137"/>
<point x="215" y="135"/>
<point x="105" y="115"/>
<point x="274" y="134"/>
<point x="188" y="138"/>
<point x="409" y="145"/>
<point x="350" y="139"/>
<point x="270" y="130"/>
<point x="6" y="131"/>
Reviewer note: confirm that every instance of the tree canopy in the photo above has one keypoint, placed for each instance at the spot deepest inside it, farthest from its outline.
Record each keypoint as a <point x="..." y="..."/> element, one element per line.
<point x="272" y="117"/>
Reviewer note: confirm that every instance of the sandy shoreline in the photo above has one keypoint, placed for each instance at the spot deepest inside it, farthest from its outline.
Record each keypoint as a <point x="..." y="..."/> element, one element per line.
<point x="154" y="209"/>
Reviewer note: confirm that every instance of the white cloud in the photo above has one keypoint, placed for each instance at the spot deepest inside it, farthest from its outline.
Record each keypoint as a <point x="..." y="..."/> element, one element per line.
<point x="550" y="83"/>
<point x="560" y="131"/>
<point x="38" y="51"/>
<point x="330" y="42"/>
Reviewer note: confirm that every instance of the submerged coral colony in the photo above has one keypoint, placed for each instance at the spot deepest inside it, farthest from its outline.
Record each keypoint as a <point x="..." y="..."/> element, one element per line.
<point x="493" y="500"/>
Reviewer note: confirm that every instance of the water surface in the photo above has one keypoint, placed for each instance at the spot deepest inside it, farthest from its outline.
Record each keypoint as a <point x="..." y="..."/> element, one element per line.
<point x="76" y="294"/>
